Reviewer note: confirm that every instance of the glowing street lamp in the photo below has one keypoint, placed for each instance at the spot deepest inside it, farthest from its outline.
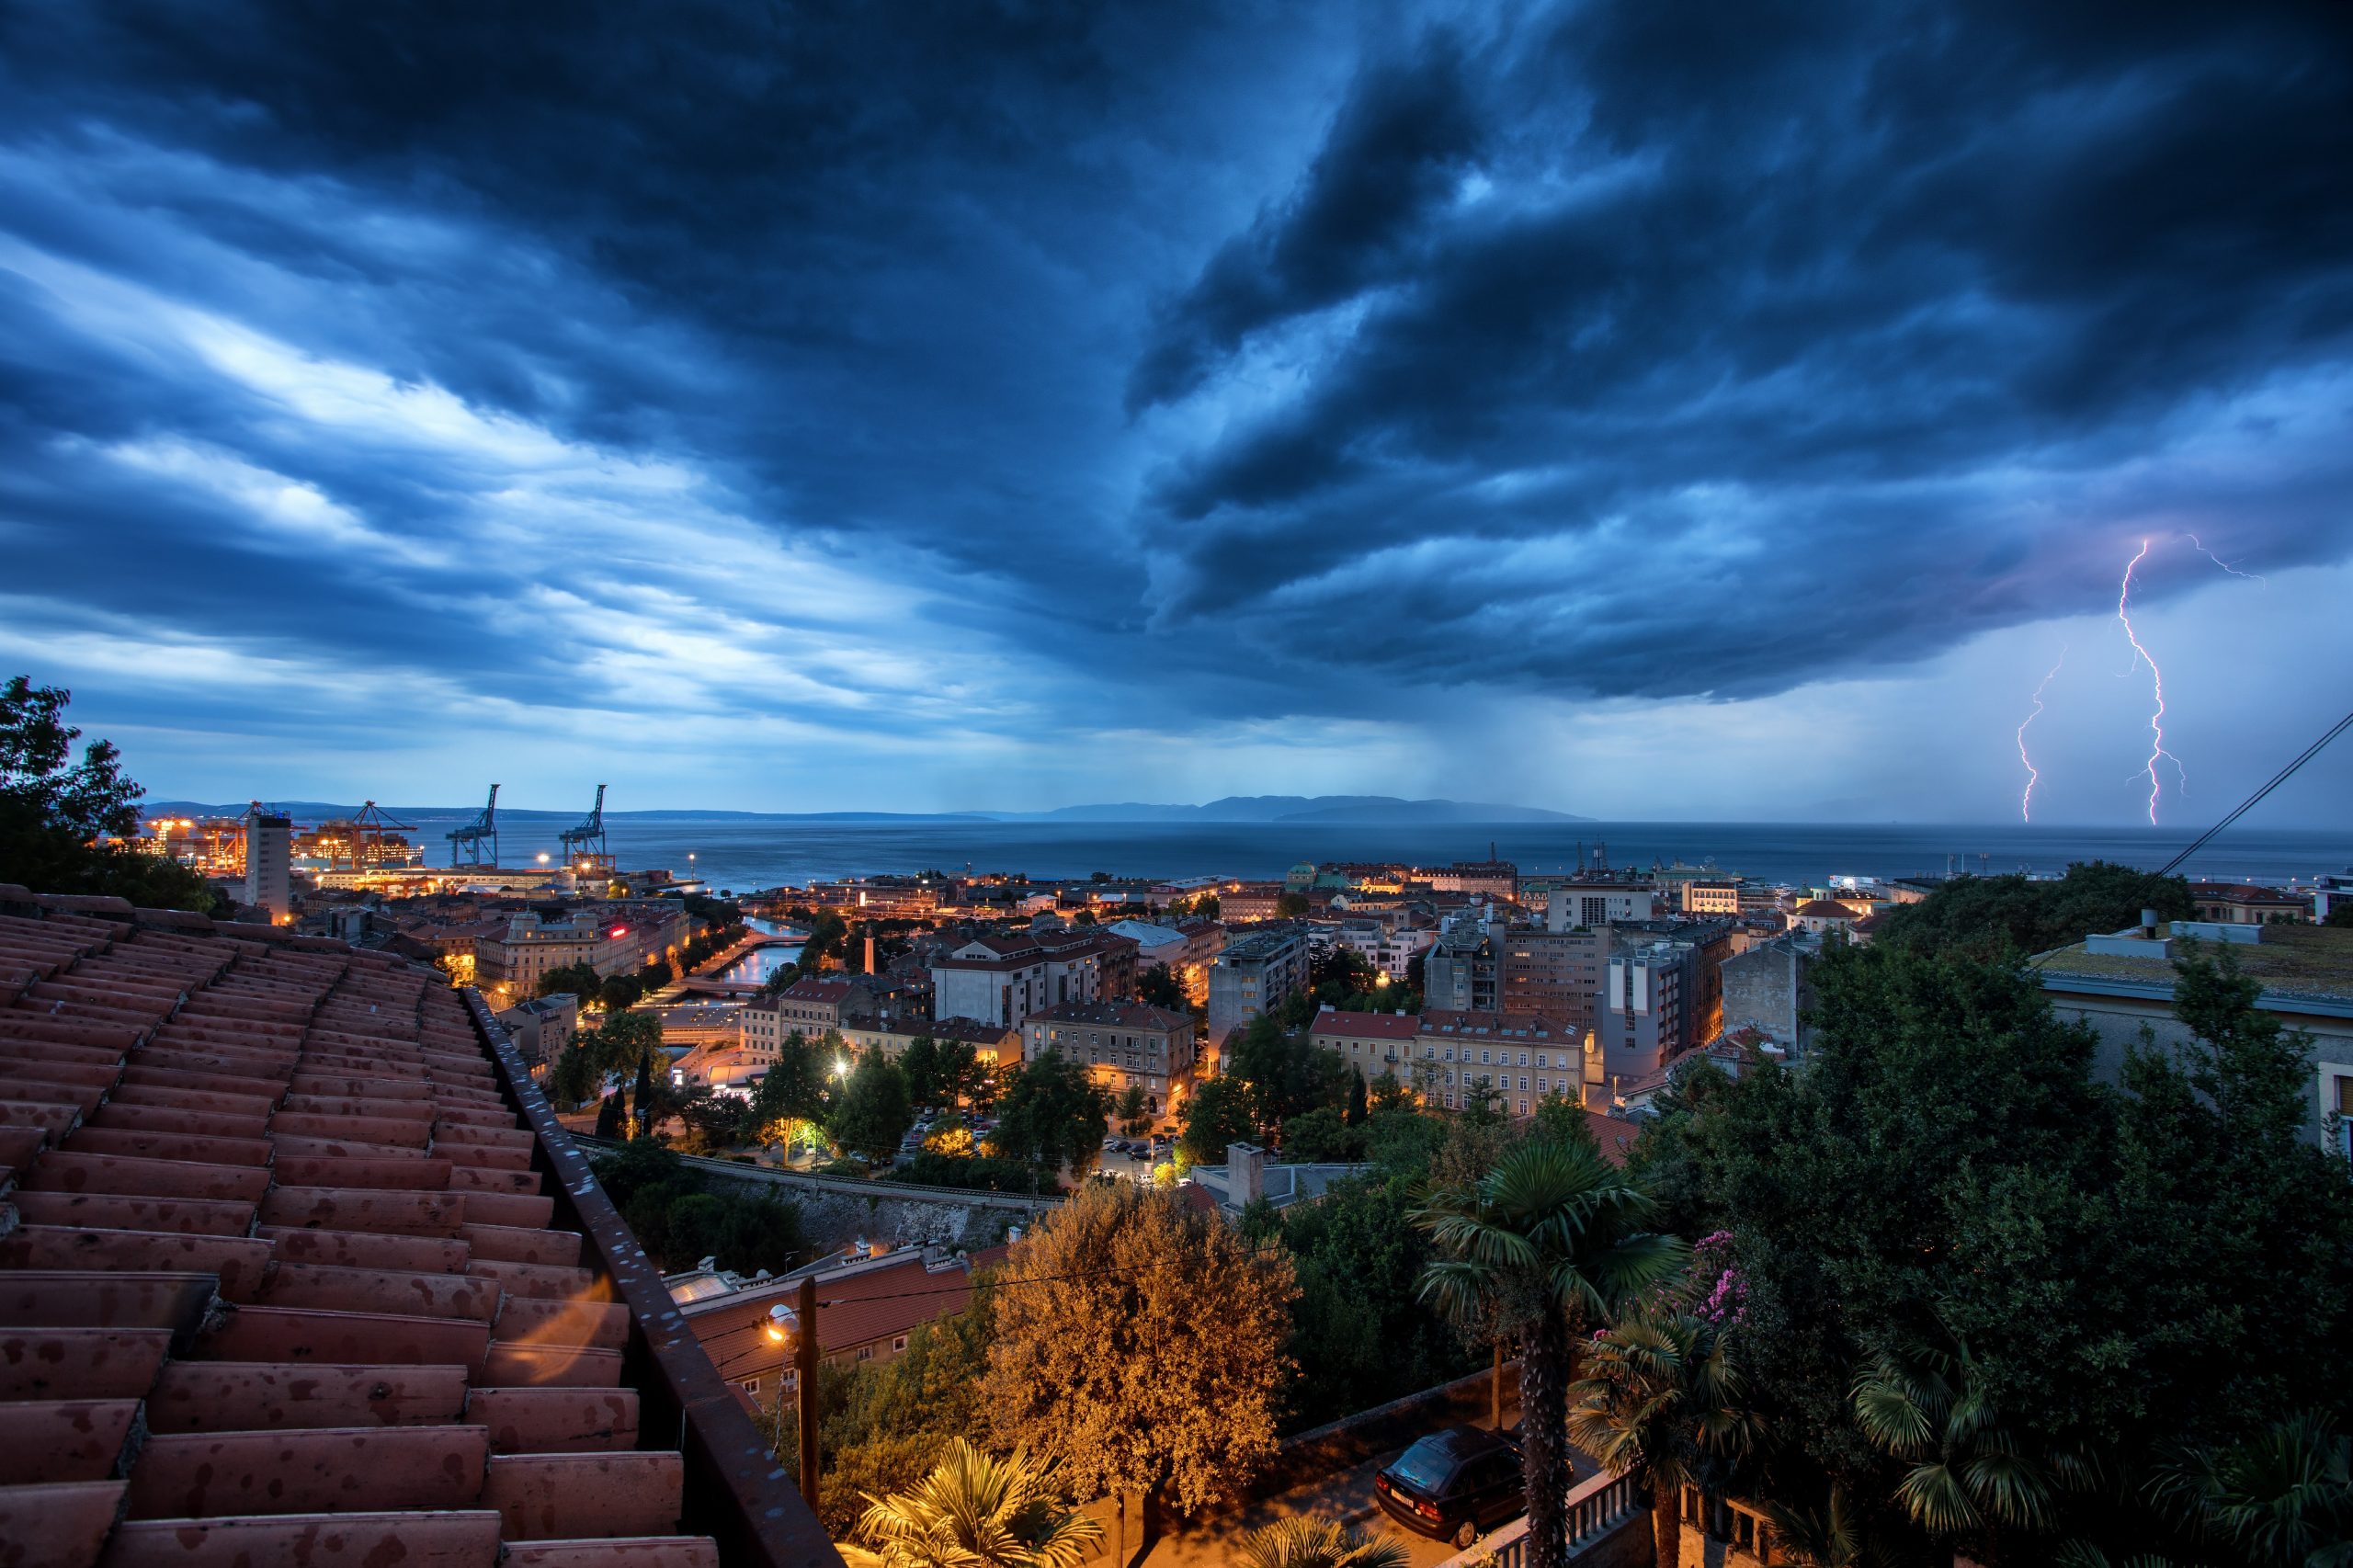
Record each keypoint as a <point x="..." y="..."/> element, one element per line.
<point x="796" y="1328"/>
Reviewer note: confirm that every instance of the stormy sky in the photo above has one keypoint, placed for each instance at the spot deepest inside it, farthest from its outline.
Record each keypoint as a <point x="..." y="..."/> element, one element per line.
<point x="1638" y="409"/>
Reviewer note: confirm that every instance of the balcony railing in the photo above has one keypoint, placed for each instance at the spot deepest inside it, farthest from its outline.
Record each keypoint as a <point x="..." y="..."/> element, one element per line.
<point x="1596" y="1508"/>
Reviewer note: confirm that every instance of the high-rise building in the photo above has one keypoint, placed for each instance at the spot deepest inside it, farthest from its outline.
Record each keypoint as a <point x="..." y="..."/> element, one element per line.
<point x="269" y="856"/>
<point x="1255" y="974"/>
<point x="1555" y="973"/>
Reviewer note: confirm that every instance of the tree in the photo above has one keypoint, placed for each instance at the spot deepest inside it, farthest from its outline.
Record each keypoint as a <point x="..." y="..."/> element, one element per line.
<point x="920" y="1063"/>
<point x="873" y="1113"/>
<point x="620" y="993"/>
<point x="2283" y="1497"/>
<point x="1307" y="1542"/>
<point x="1548" y="1239"/>
<point x="1358" y="1101"/>
<point x="610" y="1123"/>
<point x="1051" y="1116"/>
<point x="973" y="1511"/>
<point x="1290" y="905"/>
<point x="2167" y="1259"/>
<point x="1284" y="1072"/>
<point x="1218" y="1114"/>
<point x="1106" y="1359"/>
<point x="641" y="1098"/>
<point x="2340" y="914"/>
<point x="56" y="813"/>
<point x="1133" y="1118"/>
<point x="574" y="979"/>
<point x="1663" y="1400"/>
<point x="780" y="980"/>
<point x="1322" y="1136"/>
<point x="1966" y="1472"/>
<point x="1158" y="986"/>
<point x="1987" y="917"/>
<point x="1361" y="1334"/>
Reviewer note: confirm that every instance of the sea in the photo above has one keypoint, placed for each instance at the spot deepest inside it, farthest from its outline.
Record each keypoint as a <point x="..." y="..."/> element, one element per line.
<point x="738" y="854"/>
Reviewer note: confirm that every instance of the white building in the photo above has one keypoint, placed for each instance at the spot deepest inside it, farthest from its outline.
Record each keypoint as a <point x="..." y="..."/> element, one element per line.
<point x="1581" y="903"/>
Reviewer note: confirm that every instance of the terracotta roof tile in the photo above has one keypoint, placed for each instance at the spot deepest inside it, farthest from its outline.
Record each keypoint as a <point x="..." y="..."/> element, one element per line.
<point x="273" y="1211"/>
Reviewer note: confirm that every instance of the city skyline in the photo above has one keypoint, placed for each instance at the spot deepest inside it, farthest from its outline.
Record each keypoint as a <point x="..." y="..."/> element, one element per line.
<point x="1539" y="409"/>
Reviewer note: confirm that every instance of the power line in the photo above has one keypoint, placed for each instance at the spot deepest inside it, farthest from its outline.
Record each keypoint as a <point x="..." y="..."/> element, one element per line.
<point x="2277" y="779"/>
<point x="1264" y="1250"/>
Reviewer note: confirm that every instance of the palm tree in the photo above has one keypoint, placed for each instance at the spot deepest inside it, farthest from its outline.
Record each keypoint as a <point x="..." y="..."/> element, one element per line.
<point x="1969" y="1474"/>
<point x="2282" y="1496"/>
<point x="1663" y="1398"/>
<point x="973" y="1511"/>
<point x="1550" y="1238"/>
<point x="1307" y="1542"/>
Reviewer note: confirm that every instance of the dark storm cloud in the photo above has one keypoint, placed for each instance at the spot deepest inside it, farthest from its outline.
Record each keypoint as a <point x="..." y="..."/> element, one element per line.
<point x="1893" y="312"/>
<point x="1616" y="348"/>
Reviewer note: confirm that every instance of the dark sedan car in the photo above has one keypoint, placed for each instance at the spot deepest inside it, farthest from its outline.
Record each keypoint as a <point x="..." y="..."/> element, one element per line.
<point x="1453" y="1484"/>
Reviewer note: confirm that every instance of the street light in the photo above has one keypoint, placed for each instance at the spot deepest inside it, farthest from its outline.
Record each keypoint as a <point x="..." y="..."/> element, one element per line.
<point x="797" y="1329"/>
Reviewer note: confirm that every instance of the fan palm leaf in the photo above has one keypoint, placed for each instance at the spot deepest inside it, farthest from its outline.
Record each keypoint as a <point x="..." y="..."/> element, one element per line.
<point x="976" y="1511"/>
<point x="1307" y="1542"/>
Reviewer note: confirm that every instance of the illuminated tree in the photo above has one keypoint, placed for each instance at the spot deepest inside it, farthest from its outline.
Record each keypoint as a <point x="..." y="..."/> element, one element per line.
<point x="1140" y="1345"/>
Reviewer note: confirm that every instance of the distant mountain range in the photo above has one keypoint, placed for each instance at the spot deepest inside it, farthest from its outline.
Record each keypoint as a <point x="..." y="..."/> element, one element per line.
<point x="1298" y="809"/>
<point x="1354" y="809"/>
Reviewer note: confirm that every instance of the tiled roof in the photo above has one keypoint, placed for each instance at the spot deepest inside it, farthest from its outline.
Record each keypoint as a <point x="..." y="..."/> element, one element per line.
<point x="818" y="991"/>
<point x="1365" y="1026"/>
<point x="1615" y="1136"/>
<point x="861" y="1307"/>
<point x="1444" y="1021"/>
<point x="1118" y="1015"/>
<point x="278" y="1282"/>
<point x="1822" y="909"/>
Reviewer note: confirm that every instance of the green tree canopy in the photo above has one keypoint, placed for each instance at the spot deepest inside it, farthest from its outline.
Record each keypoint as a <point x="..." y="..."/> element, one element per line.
<point x="872" y="1113"/>
<point x="1218" y="1114"/>
<point x="1051" y="1116"/>
<point x="2101" y="1268"/>
<point x="54" y="811"/>
<point x="1988" y="915"/>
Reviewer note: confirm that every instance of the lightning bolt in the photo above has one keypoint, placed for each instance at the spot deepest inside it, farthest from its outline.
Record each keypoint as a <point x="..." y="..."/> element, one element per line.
<point x="2157" y="682"/>
<point x="2034" y="775"/>
<point x="2250" y="576"/>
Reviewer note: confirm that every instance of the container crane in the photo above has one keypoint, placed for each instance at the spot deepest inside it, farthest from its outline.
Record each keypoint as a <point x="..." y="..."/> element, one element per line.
<point x="583" y="846"/>
<point x="476" y="842"/>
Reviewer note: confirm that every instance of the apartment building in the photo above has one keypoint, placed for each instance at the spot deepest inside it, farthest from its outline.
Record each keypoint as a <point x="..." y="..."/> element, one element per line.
<point x="1554" y="974"/>
<point x="1517" y="1056"/>
<point x="1255" y="974"/>
<point x="1124" y="1044"/>
<point x="610" y="938"/>
<point x="1373" y="1043"/>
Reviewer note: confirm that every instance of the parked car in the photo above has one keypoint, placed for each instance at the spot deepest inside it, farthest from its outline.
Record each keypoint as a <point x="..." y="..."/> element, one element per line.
<point x="1453" y="1484"/>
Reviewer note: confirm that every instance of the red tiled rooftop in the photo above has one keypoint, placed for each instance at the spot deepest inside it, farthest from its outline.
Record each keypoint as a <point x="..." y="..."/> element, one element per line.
<point x="278" y="1280"/>
<point x="1365" y="1026"/>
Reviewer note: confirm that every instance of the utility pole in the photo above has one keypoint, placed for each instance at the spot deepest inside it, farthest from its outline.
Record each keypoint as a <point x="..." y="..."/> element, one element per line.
<point x="805" y="1368"/>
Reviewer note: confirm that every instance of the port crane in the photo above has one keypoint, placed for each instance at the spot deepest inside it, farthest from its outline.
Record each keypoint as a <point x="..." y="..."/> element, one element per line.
<point x="476" y="842"/>
<point x="583" y="846"/>
<point x="362" y="838"/>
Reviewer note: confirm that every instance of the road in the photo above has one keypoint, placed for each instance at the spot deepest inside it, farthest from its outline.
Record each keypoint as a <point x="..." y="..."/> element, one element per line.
<point x="1212" y="1541"/>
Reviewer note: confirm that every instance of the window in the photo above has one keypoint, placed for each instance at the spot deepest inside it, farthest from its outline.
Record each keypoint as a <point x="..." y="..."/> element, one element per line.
<point x="750" y="1385"/>
<point x="865" y="1353"/>
<point x="1523" y="1083"/>
<point x="1482" y="1059"/>
<point x="899" y="1343"/>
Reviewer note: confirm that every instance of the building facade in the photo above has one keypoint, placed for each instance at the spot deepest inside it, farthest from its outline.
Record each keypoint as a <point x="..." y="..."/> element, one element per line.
<point x="1373" y="1043"/>
<point x="1124" y="1044"/>
<point x="1591" y="901"/>
<point x="1256" y="973"/>
<point x="1555" y="974"/>
<point x="269" y="861"/>
<point x="1517" y="1058"/>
